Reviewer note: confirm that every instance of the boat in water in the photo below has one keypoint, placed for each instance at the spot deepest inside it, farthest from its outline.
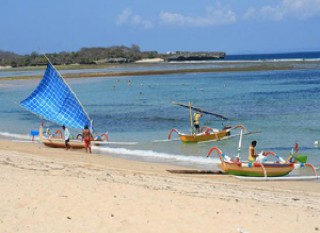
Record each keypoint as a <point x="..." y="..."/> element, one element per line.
<point x="53" y="100"/>
<point x="206" y="133"/>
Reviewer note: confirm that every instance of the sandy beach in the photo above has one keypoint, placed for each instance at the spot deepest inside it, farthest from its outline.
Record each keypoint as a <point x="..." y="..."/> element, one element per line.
<point x="53" y="190"/>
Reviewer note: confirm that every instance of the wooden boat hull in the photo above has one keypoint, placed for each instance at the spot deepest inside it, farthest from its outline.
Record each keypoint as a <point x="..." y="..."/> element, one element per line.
<point x="271" y="169"/>
<point x="59" y="143"/>
<point x="203" y="136"/>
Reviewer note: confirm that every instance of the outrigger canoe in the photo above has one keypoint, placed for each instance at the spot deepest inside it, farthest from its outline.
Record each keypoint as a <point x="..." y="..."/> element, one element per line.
<point x="206" y="134"/>
<point x="57" y="141"/>
<point x="261" y="167"/>
<point x="255" y="169"/>
<point x="55" y="101"/>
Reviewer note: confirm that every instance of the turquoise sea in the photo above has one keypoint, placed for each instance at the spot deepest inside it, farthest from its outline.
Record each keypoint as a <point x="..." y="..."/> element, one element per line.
<point x="282" y="105"/>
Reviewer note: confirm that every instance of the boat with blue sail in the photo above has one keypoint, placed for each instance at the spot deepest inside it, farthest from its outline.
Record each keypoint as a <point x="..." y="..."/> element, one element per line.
<point x="53" y="100"/>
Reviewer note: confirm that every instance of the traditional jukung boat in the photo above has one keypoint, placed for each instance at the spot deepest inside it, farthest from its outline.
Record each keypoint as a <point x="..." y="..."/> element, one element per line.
<point x="59" y="143"/>
<point x="260" y="168"/>
<point x="56" y="140"/>
<point x="54" y="101"/>
<point x="256" y="169"/>
<point x="206" y="133"/>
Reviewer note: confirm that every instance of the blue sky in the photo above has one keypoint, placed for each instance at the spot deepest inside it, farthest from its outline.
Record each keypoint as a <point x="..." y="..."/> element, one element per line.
<point x="231" y="26"/>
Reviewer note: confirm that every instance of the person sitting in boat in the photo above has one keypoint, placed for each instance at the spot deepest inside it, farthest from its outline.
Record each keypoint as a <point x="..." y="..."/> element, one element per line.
<point x="66" y="137"/>
<point x="196" y="121"/>
<point x="252" y="152"/>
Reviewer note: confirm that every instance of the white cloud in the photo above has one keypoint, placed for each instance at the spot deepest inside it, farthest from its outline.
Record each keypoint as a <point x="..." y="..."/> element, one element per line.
<point x="301" y="9"/>
<point x="275" y="13"/>
<point x="267" y="13"/>
<point x="128" y="18"/>
<point x="214" y="16"/>
<point x="222" y="15"/>
<point x="250" y="13"/>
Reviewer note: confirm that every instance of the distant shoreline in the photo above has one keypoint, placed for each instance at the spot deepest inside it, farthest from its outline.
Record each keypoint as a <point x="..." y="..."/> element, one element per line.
<point x="252" y="66"/>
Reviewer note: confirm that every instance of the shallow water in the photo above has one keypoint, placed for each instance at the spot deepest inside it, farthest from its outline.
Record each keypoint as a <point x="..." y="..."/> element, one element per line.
<point x="283" y="105"/>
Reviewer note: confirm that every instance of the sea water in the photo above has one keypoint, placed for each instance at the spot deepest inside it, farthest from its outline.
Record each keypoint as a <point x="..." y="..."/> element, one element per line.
<point x="281" y="108"/>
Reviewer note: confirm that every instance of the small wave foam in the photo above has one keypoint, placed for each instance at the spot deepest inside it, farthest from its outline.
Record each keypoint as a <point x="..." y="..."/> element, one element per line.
<point x="150" y="155"/>
<point x="16" y="136"/>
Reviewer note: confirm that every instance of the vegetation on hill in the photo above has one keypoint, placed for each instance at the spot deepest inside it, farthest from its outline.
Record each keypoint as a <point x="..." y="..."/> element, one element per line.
<point x="98" y="55"/>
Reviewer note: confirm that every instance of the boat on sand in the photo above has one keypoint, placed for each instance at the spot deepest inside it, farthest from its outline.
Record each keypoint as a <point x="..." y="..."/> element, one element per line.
<point x="261" y="167"/>
<point x="255" y="169"/>
<point x="53" y="100"/>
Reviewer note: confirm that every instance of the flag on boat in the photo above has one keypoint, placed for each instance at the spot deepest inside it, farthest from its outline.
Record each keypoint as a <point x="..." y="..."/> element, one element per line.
<point x="54" y="101"/>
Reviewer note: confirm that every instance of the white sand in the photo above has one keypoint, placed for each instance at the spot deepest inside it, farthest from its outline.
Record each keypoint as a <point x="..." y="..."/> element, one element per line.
<point x="53" y="190"/>
<point x="150" y="60"/>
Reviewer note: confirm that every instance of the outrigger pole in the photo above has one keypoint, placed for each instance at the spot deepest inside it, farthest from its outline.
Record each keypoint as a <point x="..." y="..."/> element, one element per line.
<point x="200" y="110"/>
<point x="240" y="145"/>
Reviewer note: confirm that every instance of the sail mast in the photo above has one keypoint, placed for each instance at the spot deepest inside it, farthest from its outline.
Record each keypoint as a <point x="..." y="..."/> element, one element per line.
<point x="191" y="121"/>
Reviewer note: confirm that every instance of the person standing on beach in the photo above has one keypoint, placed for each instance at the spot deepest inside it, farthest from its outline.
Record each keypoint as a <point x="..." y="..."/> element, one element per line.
<point x="196" y="121"/>
<point x="252" y="152"/>
<point x="87" y="138"/>
<point x="66" y="137"/>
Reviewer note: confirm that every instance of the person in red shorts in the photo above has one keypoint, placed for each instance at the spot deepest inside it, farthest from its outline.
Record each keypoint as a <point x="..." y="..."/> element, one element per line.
<point x="87" y="138"/>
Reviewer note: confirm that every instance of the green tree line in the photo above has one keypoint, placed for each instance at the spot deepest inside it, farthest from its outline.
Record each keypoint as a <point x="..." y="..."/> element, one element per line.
<point x="96" y="55"/>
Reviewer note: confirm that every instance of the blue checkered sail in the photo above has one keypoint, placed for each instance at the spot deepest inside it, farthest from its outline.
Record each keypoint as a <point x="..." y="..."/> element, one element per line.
<point x="54" y="101"/>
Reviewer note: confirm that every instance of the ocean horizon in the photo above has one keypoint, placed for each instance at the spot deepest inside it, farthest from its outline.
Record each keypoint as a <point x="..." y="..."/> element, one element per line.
<point x="275" y="56"/>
